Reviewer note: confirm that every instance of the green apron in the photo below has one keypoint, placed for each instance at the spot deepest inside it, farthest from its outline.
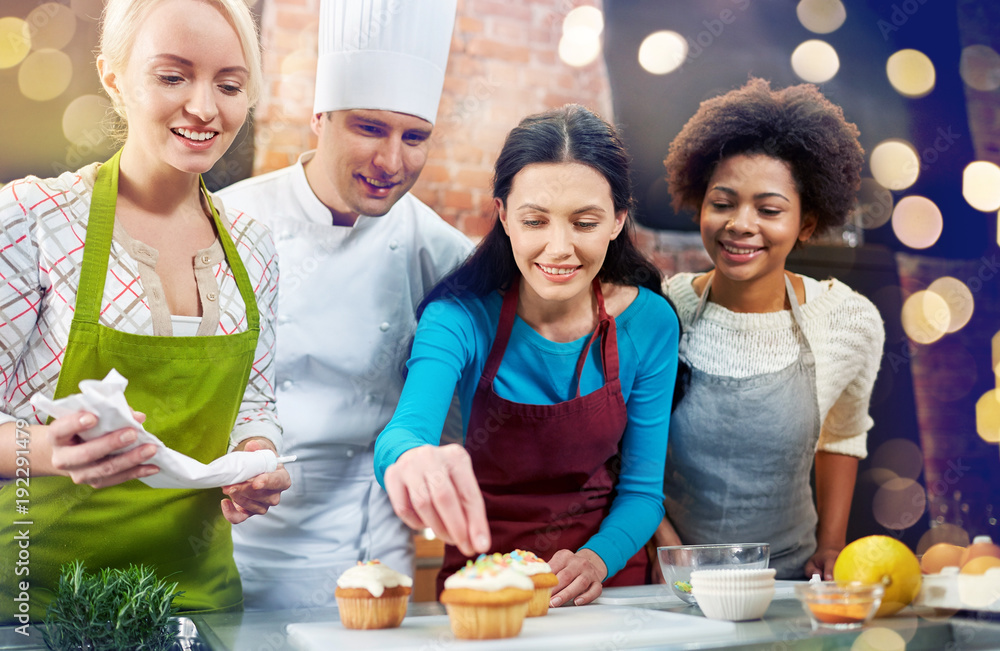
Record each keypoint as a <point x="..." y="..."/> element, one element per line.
<point x="190" y="389"/>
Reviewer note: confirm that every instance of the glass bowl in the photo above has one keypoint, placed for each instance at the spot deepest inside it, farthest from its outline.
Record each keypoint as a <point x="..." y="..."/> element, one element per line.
<point x="841" y="606"/>
<point x="677" y="562"/>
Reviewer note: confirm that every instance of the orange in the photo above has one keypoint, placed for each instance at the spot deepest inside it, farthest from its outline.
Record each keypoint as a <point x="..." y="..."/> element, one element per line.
<point x="885" y="560"/>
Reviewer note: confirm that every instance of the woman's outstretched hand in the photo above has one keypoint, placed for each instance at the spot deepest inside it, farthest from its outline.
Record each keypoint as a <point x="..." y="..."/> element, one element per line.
<point x="434" y="487"/>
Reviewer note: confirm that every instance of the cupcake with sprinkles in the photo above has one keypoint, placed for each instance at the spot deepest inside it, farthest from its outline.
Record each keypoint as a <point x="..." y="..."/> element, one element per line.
<point x="371" y="595"/>
<point x="541" y="576"/>
<point x="487" y="599"/>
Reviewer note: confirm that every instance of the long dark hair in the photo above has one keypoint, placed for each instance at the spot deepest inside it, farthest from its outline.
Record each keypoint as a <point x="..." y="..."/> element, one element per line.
<point x="568" y="134"/>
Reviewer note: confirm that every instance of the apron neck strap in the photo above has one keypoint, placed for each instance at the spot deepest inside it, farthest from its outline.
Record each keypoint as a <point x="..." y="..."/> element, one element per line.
<point x="97" y="247"/>
<point x="236" y="266"/>
<point x="793" y="300"/>
<point x="609" y="342"/>
<point x="605" y="328"/>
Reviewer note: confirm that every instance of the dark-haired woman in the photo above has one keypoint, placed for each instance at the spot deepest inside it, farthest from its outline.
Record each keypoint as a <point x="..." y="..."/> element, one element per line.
<point x="564" y="353"/>
<point x="782" y="365"/>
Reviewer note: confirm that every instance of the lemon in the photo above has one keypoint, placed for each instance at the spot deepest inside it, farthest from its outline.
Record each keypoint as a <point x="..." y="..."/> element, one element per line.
<point x="885" y="560"/>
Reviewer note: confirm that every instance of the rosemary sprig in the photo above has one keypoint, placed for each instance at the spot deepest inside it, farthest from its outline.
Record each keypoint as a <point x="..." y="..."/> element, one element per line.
<point x="113" y="609"/>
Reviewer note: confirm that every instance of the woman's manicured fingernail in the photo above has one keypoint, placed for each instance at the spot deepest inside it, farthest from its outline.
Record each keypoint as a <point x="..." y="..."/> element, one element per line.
<point x="149" y="452"/>
<point x="555" y="603"/>
<point x="128" y="436"/>
<point x="88" y="420"/>
<point x="152" y="470"/>
<point x="482" y="542"/>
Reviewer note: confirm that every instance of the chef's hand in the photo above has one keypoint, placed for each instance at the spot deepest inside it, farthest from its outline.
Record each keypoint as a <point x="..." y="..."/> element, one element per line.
<point x="434" y="487"/>
<point x="664" y="536"/>
<point x="822" y="563"/>
<point x="94" y="462"/>
<point x="255" y="496"/>
<point x="579" y="575"/>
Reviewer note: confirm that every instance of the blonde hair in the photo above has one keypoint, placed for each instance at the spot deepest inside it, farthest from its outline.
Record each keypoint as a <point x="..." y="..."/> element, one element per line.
<point x="122" y="18"/>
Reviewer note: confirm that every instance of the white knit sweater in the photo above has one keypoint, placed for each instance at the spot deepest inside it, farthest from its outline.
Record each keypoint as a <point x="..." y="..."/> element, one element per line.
<point x="845" y="333"/>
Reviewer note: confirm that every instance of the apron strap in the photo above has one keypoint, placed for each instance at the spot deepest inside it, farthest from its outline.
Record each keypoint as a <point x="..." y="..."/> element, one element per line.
<point x="605" y="329"/>
<point x="609" y="343"/>
<point x="793" y="300"/>
<point x="97" y="246"/>
<point x="236" y="266"/>
<point x="507" y="313"/>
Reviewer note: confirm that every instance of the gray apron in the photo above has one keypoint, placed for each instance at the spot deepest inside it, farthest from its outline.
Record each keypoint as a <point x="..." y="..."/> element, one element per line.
<point x="740" y="454"/>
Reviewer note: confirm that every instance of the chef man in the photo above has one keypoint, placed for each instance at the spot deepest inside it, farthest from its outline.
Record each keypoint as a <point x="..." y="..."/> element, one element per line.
<point x="358" y="252"/>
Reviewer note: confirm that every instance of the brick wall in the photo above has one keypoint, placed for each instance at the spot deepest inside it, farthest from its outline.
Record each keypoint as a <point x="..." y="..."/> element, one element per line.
<point x="503" y="65"/>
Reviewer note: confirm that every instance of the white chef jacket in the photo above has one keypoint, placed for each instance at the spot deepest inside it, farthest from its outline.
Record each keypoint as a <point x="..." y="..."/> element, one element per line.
<point x="347" y="297"/>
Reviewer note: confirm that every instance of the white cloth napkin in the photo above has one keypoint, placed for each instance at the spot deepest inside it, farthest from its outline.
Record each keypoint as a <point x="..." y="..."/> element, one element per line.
<point x="106" y="400"/>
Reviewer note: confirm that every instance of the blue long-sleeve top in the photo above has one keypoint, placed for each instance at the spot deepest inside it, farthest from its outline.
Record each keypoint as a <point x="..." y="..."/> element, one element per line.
<point x="450" y="348"/>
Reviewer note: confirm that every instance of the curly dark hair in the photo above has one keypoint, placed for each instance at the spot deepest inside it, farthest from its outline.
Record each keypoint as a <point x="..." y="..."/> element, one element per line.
<point x="796" y="124"/>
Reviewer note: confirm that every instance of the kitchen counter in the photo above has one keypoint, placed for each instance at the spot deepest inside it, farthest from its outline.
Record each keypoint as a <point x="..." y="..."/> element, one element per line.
<point x="784" y="626"/>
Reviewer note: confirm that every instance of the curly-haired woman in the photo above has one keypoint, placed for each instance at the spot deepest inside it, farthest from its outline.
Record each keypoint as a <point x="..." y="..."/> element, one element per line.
<point x="781" y="365"/>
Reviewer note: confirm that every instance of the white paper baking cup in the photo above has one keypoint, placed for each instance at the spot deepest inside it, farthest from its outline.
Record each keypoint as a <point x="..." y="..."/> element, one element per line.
<point x="733" y="605"/>
<point x="733" y="578"/>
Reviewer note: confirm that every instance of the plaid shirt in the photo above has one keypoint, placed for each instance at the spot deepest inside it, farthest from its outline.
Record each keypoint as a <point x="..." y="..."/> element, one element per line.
<point x="43" y="224"/>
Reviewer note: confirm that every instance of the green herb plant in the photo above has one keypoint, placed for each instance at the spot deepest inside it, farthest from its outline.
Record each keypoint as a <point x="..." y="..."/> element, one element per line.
<point x="113" y="609"/>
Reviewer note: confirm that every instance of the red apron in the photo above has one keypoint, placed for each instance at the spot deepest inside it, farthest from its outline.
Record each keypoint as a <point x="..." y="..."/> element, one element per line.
<point x="548" y="472"/>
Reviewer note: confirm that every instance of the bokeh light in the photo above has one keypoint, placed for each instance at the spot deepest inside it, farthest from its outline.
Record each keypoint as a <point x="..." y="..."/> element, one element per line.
<point x="15" y="41"/>
<point x="981" y="185"/>
<point x="917" y="222"/>
<point x="980" y="67"/>
<point x="44" y="75"/>
<point x="879" y="638"/>
<point x="911" y="73"/>
<point x="925" y="317"/>
<point x="901" y="457"/>
<point x="821" y="16"/>
<point x="586" y="17"/>
<point x="662" y="52"/>
<point x="874" y="204"/>
<point x="899" y="504"/>
<point x="943" y="533"/>
<point x="82" y="120"/>
<point x="579" y="46"/>
<point x="996" y="352"/>
<point x="815" y="61"/>
<point x="895" y="164"/>
<point x="52" y="25"/>
<point x="988" y="416"/>
<point x="959" y="298"/>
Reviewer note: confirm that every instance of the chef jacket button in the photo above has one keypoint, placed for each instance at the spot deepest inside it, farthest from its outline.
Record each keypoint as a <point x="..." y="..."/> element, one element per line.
<point x="349" y="453"/>
<point x="286" y="385"/>
<point x="394" y="245"/>
<point x="370" y="398"/>
<point x="384" y="326"/>
<point x="210" y="296"/>
<point x="205" y="259"/>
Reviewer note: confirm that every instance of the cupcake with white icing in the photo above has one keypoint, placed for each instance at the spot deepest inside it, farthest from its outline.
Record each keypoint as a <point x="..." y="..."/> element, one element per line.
<point x="371" y="595"/>
<point x="487" y="599"/>
<point x="541" y="575"/>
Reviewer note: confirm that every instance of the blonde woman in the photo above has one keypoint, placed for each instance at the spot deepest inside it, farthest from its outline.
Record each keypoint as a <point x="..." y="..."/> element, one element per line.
<point x="133" y="265"/>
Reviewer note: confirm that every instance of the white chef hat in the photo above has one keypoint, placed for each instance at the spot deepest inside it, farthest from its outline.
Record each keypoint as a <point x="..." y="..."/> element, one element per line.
<point x="383" y="54"/>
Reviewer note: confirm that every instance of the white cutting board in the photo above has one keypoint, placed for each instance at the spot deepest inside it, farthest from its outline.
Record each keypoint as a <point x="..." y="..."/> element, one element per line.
<point x="583" y="627"/>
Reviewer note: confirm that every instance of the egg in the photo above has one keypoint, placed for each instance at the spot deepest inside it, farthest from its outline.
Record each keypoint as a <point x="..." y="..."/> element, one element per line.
<point x="981" y="546"/>
<point x="940" y="556"/>
<point x="980" y="564"/>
